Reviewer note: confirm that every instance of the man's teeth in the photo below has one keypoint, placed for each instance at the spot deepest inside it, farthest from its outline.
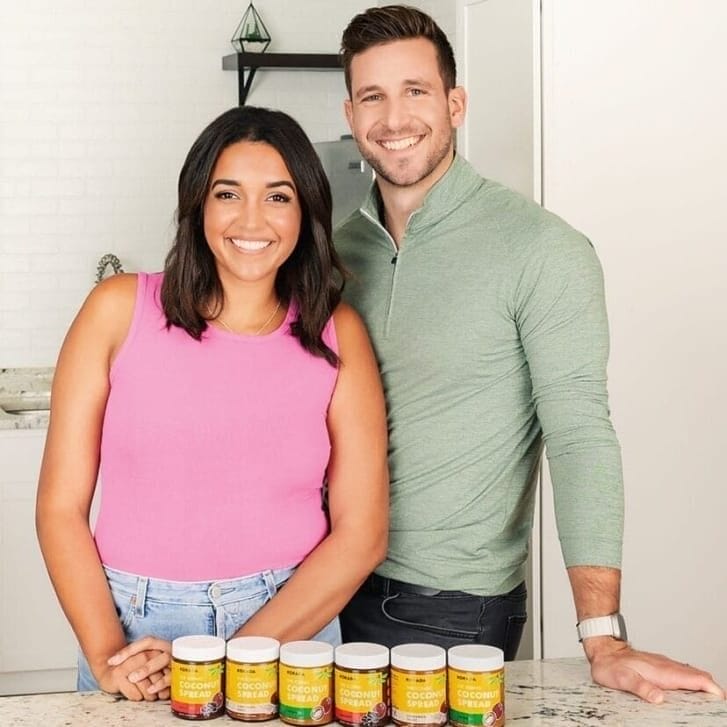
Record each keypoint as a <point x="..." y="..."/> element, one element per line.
<point x="400" y="144"/>
<point x="250" y="244"/>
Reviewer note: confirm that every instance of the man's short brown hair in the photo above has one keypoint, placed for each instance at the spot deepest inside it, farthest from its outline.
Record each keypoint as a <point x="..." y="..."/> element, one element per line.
<point x="377" y="26"/>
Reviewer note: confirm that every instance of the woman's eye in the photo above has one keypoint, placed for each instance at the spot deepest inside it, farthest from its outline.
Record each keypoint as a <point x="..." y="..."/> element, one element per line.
<point x="225" y="195"/>
<point x="278" y="197"/>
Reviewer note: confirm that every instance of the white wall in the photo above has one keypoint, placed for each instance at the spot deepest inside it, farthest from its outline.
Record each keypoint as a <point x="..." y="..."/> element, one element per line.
<point x="99" y="103"/>
<point x="635" y="156"/>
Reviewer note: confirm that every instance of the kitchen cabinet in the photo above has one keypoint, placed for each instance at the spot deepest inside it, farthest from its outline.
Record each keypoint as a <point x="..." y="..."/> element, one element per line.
<point x="37" y="647"/>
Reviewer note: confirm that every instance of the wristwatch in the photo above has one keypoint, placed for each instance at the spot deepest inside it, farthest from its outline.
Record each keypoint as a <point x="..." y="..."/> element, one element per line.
<point x="613" y="625"/>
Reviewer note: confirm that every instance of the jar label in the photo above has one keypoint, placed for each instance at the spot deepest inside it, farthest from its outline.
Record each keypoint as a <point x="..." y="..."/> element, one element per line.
<point x="196" y="689"/>
<point x="419" y="697"/>
<point x="252" y="689"/>
<point x="362" y="697"/>
<point x="306" y="694"/>
<point x="477" y="698"/>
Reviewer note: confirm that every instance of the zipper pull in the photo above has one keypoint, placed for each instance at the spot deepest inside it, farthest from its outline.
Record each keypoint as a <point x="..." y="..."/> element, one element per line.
<point x="393" y="259"/>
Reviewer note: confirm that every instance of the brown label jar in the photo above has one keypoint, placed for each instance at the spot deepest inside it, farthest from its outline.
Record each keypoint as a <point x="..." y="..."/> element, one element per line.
<point x="361" y="678"/>
<point x="418" y="685"/>
<point x="198" y="665"/>
<point x="251" y="678"/>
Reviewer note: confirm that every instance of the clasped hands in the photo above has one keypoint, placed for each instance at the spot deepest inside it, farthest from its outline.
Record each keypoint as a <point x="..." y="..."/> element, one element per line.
<point x="139" y="671"/>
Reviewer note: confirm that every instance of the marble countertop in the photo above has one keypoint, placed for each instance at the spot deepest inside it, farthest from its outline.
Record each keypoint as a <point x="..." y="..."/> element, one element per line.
<point x="550" y="693"/>
<point x="25" y="397"/>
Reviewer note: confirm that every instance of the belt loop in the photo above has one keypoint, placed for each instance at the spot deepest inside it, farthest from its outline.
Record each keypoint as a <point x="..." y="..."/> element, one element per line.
<point x="269" y="581"/>
<point x="141" y="585"/>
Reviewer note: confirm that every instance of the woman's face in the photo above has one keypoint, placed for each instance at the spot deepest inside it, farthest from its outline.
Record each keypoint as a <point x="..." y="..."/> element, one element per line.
<point x="252" y="213"/>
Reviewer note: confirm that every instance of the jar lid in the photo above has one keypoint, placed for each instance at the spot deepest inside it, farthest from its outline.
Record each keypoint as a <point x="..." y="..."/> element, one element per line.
<point x="306" y="653"/>
<point x="253" y="649"/>
<point x="418" y="657"/>
<point x="475" y="657"/>
<point x="198" y="648"/>
<point x="362" y="655"/>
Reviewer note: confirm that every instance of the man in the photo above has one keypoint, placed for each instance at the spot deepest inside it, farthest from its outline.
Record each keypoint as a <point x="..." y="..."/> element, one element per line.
<point x="488" y="319"/>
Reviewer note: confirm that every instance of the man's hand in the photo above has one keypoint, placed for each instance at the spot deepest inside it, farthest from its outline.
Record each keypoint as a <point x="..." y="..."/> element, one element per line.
<point x="152" y="674"/>
<point x="616" y="665"/>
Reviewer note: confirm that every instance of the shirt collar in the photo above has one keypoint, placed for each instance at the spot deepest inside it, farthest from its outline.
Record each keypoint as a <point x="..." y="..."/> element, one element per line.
<point x="449" y="192"/>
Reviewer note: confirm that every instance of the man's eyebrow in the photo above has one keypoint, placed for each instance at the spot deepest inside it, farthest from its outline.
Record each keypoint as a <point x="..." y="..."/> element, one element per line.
<point x="367" y="89"/>
<point x="406" y="82"/>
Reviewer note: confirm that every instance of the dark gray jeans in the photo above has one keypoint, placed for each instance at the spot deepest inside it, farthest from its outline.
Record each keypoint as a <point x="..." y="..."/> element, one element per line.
<point x="391" y="612"/>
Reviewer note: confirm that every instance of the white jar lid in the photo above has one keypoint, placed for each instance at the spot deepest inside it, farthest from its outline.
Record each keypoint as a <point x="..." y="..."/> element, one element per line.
<point x="306" y="653"/>
<point x="418" y="657"/>
<point x="362" y="655"/>
<point x="198" y="648"/>
<point x="475" y="657"/>
<point x="253" y="649"/>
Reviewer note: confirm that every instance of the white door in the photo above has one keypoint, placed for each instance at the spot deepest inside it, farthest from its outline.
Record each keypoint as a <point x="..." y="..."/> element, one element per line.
<point x="635" y="155"/>
<point x="498" y="63"/>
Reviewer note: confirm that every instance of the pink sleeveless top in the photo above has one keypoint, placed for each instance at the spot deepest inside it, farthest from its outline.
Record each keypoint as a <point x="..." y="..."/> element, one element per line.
<point x="213" y="452"/>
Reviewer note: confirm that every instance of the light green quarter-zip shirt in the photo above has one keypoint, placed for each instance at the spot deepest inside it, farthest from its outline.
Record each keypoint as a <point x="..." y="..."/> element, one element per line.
<point x="490" y="330"/>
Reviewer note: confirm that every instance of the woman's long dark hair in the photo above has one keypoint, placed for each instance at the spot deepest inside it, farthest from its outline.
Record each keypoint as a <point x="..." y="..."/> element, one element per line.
<point x="312" y="275"/>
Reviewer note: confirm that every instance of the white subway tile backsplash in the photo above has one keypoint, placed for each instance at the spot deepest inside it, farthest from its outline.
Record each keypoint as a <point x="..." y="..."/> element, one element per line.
<point x="92" y="143"/>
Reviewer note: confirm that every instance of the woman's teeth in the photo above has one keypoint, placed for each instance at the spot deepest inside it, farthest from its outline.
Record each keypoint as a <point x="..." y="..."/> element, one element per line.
<point x="250" y="245"/>
<point x="400" y="144"/>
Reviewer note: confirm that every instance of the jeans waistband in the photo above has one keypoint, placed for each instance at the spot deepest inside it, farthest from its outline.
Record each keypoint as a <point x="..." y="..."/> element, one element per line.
<point x="387" y="586"/>
<point x="197" y="592"/>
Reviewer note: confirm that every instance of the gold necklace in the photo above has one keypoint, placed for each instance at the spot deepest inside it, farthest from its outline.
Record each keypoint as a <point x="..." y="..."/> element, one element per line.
<point x="219" y="319"/>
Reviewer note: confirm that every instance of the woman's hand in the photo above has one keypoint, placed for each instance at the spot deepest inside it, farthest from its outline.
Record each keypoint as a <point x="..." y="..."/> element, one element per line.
<point x="144" y="665"/>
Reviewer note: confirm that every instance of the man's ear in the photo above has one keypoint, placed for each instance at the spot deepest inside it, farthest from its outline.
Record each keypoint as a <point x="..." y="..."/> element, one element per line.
<point x="457" y="106"/>
<point x="348" y="111"/>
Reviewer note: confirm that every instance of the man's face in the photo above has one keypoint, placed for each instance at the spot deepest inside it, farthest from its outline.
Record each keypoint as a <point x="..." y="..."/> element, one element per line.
<point x="400" y="114"/>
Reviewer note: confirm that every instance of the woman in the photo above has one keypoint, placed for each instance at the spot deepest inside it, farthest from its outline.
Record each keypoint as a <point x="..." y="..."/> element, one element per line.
<point x="215" y="399"/>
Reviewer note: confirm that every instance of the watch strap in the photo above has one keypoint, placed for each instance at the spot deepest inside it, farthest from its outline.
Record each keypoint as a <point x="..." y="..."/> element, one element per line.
<point x="613" y="625"/>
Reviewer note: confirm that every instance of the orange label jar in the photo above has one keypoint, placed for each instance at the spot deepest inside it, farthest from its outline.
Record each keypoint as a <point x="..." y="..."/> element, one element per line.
<point x="251" y="678"/>
<point x="476" y="686"/>
<point x="361" y="678"/>
<point x="198" y="665"/>
<point x="306" y="683"/>
<point x="418" y="685"/>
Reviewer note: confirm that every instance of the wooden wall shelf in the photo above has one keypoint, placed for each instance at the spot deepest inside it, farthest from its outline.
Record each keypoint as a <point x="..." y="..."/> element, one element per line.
<point x="247" y="64"/>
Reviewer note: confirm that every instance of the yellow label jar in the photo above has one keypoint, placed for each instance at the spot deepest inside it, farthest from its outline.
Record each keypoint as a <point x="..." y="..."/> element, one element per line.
<point x="361" y="678"/>
<point x="251" y="678"/>
<point x="418" y="685"/>
<point x="198" y="665"/>
<point x="476" y="685"/>
<point x="306" y="683"/>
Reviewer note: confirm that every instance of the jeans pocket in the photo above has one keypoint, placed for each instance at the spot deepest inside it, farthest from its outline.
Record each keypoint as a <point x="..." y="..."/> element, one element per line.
<point x="513" y="634"/>
<point x="125" y="606"/>
<point x="453" y="616"/>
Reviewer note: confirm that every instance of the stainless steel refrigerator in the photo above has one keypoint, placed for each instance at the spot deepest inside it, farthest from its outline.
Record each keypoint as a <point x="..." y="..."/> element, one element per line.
<point x="349" y="175"/>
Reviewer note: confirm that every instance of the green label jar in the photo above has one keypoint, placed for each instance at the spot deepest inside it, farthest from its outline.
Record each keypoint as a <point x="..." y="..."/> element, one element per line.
<point x="476" y="686"/>
<point x="306" y="683"/>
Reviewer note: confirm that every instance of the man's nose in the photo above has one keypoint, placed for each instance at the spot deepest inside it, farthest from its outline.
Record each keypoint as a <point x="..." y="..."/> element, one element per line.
<point x="396" y="114"/>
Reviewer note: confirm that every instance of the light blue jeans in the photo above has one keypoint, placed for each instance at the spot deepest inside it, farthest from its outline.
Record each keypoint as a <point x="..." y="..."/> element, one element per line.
<point x="168" y="609"/>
